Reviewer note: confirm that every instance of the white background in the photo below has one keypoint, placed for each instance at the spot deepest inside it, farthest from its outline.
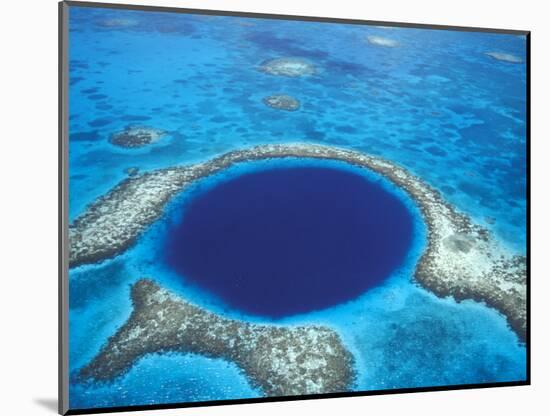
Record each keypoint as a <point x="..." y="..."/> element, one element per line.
<point x="28" y="205"/>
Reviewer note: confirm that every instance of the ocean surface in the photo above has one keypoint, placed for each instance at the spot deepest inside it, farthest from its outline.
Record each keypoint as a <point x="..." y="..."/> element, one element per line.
<point x="435" y="104"/>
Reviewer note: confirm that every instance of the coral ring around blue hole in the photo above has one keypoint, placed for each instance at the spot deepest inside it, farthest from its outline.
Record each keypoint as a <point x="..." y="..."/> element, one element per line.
<point x="284" y="241"/>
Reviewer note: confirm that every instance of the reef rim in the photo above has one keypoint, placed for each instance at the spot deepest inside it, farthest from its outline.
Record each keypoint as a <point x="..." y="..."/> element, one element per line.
<point x="280" y="360"/>
<point x="462" y="259"/>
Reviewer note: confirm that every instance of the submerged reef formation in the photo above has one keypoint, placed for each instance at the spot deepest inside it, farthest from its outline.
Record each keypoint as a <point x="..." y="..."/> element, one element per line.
<point x="505" y="57"/>
<point x="380" y="41"/>
<point x="117" y="23"/>
<point x="132" y="171"/>
<point x="136" y="136"/>
<point x="461" y="259"/>
<point x="280" y="360"/>
<point x="288" y="67"/>
<point x="282" y="102"/>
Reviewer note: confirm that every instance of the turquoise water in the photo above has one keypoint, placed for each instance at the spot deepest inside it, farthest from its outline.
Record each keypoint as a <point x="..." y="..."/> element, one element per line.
<point x="435" y="104"/>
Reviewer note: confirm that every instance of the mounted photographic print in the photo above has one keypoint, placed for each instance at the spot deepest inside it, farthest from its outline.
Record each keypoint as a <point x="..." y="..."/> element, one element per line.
<point x="263" y="207"/>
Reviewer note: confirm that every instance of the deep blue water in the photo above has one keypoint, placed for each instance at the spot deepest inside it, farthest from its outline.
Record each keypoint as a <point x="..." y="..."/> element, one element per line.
<point x="436" y="104"/>
<point x="285" y="241"/>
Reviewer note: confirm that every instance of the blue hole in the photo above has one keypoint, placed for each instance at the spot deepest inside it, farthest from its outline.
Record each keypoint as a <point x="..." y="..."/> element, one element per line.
<point x="279" y="242"/>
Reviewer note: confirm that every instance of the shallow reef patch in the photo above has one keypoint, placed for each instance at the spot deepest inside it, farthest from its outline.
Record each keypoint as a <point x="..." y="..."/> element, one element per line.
<point x="136" y="136"/>
<point x="421" y="344"/>
<point x="288" y="67"/>
<point x="381" y="41"/>
<point x="282" y="102"/>
<point x="505" y="57"/>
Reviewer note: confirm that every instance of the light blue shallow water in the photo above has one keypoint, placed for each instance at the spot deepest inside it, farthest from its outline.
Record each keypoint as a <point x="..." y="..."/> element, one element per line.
<point x="435" y="104"/>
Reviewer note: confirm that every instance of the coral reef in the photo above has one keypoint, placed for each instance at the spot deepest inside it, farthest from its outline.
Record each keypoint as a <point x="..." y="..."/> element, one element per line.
<point x="282" y="102"/>
<point x="461" y="259"/>
<point x="136" y="136"/>
<point x="113" y="222"/>
<point x="288" y="67"/>
<point x="279" y="360"/>
<point x="505" y="57"/>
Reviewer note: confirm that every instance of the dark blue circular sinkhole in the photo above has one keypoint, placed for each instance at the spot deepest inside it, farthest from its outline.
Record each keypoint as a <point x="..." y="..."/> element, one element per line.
<point x="283" y="241"/>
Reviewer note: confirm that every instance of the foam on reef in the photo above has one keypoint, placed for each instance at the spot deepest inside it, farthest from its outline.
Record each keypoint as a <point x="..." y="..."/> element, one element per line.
<point x="462" y="259"/>
<point x="280" y="360"/>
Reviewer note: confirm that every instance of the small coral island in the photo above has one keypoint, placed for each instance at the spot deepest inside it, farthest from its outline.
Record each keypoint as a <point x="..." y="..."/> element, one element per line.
<point x="136" y="136"/>
<point x="462" y="259"/>
<point x="282" y="102"/>
<point x="288" y="67"/>
<point x="280" y="360"/>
